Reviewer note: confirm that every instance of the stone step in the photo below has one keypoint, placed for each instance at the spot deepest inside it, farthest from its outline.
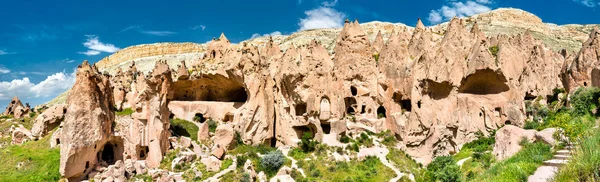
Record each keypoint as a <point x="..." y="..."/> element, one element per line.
<point x="563" y="152"/>
<point x="561" y="157"/>
<point x="555" y="162"/>
<point x="569" y="147"/>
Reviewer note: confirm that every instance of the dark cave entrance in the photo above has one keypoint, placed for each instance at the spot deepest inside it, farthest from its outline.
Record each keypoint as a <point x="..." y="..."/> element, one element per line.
<point x="350" y="103"/>
<point x="300" y="109"/>
<point x="353" y="91"/>
<point x="199" y="117"/>
<point x="108" y="154"/>
<point x="326" y="128"/>
<point x="381" y="112"/>
<point x="210" y="88"/>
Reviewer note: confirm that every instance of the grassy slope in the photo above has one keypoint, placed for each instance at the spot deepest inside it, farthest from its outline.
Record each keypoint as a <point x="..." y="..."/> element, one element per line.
<point x="519" y="166"/>
<point x="39" y="162"/>
<point x="585" y="163"/>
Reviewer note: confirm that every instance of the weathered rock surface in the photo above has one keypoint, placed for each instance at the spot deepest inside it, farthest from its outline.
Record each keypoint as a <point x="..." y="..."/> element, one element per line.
<point x="16" y="108"/>
<point x="88" y="123"/>
<point x="48" y="120"/>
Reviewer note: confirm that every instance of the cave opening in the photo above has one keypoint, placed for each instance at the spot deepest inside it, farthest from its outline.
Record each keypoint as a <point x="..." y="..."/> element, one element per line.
<point x="300" y="109"/>
<point x="353" y="91"/>
<point x="217" y="88"/>
<point x="58" y="141"/>
<point x="363" y="109"/>
<point x="108" y="154"/>
<point x="419" y="104"/>
<point x="326" y="128"/>
<point x="350" y="103"/>
<point x="381" y="112"/>
<point x="436" y="90"/>
<point x="199" y="117"/>
<point x="406" y="105"/>
<point x="484" y="82"/>
<point x="306" y="129"/>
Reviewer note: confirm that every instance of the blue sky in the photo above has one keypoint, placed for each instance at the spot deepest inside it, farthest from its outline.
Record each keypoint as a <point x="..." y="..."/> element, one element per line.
<point x="42" y="41"/>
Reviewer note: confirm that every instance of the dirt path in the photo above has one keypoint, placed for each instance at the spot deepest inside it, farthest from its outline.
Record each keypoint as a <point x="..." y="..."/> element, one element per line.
<point x="549" y="168"/>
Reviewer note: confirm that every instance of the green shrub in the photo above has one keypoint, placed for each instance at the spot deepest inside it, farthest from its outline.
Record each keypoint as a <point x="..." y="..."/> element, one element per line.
<point x="297" y="154"/>
<point x="494" y="50"/>
<point x="519" y="166"/>
<point x="307" y="144"/>
<point x="124" y="112"/>
<point x="531" y="125"/>
<point x="212" y="125"/>
<point x="443" y="168"/>
<point x="246" y="177"/>
<point x="272" y="161"/>
<point x="585" y="163"/>
<point x="345" y="139"/>
<point x="180" y="127"/>
<point x="241" y="160"/>
<point x="226" y="163"/>
<point x="584" y="100"/>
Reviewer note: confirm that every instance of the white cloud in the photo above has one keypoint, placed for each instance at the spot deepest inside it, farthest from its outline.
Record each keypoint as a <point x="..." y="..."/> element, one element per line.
<point x="130" y="28"/>
<point x="330" y="3"/>
<point x="588" y="3"/>
<point x="96" y="47"/>
<point x="202" y="27"/>
<point x="158" y="33"/>
<point x="275" y="33"/>
<point x="4" y="70"/>
<point x="52" y="86"/>
<point x="459" y="9"/>
<point x="68" y="60"/>
<point x="90" y="52"/>
<point x="3" y="52"/>
<point x="322" y="17"/>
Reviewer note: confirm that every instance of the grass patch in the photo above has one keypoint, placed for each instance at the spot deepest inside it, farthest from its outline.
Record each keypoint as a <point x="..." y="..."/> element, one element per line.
<point x="185" y="128"/>
<point x="38" y="162"/>
<point x="585" y="163"/>
<point x="494" y="50"/>
<point x="168" y="159"/>
<point x="403" y="162"/>
<point x="324" y="169"/>
<point x="519" y="166"/>
<point x="124" y="112"/>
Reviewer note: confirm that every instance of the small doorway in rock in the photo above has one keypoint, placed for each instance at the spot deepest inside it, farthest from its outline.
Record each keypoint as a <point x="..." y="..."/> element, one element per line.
<point x="108" y="154"/>
<point x="406" y="105"/>
<point x="585" y="84"/>
<point x="199" y="117"/>
<point x="58" y="141"/>
<point x="353" y="91"/>
<point x="326" y="128"/>
<point x="300" y="109"/>
<point x="350" y="111"/>
<point x="381" y="112"/>
<point x="363" y="109"/>
<point x="171" y="116"/>
<point x="228" y="117"/>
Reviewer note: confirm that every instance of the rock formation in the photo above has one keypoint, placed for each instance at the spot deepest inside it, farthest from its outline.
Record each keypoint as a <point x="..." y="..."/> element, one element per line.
<point x="433" y="88"/>
<point x="16" y="108"/>
<point x="48" y="120"/>
<point x="86" y="133"/>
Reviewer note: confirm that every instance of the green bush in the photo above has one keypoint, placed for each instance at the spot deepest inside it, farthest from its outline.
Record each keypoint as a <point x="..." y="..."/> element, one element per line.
<point x="272" y="161"/>
<point x="124" y="112"/>
<point x="241" y="160"/>
<point x="443" y="168"/>
<point x="585" y="163"/>
<point x="212" y="125"/>
<point x="307" y="144"/>
<point x="180" y="127"/>
<point x="494" y="50"/>
<point x="345" y="139"/>
<point x="519" y="166"/>
<point x="584" y="100"/>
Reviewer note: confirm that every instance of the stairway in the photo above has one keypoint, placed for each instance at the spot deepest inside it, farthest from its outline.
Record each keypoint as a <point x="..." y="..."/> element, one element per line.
<point x="549" y="168"/>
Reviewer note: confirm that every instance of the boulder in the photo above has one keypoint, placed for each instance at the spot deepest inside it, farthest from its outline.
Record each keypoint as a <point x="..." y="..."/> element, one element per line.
<point x="20" y="135"/>
<point x="48" y="120"/>
<point x="224" y="136"/>
<point x="212" y="163"/>
<point x="547" y="136"/>
<point x="508" y="140"/>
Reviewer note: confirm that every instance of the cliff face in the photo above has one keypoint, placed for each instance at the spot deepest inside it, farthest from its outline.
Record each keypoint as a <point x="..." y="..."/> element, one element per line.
<point x="503" y="21"/>
<point x="433" y="88"/>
